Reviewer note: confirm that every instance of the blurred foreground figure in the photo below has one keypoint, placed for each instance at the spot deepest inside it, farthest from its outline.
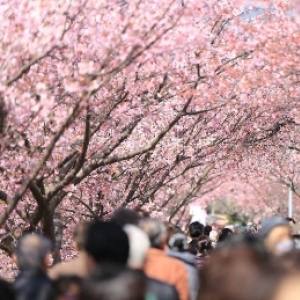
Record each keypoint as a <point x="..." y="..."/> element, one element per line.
<point x="276" y="234"/>
<point x="78" y="266"/>
<point x="239" y="270"/>
<point x="32" y="256"/>
<point x="288" y="288"/>
<point x="158" y="264"/>
<point x="106" y="243"/>
<point x="112" y="282"/>
<point x="139" y="246"/>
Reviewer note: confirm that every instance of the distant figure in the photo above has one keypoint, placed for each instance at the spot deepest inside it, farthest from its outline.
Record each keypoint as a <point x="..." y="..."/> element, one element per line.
<point x="276" y="234"/>
<point x="123" y="216"/>
<point x="196" y="229"/>
<point x="225" y="233"/>
<point x="207" y="230"/>
<point x="204" y="246"/>
<point x="78" y="266"/>
<point x="158" y="264"/>
<point x="32" y="257"/>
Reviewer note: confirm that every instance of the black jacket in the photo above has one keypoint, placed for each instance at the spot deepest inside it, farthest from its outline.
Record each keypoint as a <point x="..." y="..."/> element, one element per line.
<point x="32" y="285"/>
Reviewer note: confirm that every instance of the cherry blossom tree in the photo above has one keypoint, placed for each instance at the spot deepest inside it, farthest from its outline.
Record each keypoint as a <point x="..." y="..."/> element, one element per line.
<point x="143" y="104"/>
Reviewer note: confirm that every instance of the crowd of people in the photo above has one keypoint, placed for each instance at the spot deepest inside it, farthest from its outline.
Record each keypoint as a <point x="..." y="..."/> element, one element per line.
<point x="135" y="257"/>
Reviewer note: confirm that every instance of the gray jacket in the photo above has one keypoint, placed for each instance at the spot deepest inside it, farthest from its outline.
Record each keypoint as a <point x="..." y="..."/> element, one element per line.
<point x="193" y="274"/>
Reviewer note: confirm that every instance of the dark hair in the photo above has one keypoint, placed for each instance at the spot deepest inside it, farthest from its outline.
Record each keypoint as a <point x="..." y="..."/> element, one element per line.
<point x="107" y="242"/>
<point x="64" y="287"/>
<point x="196" y="229"/>
<point x="225" y="233"/>
<point x="204" y="244"/>
<point x="193" y="247"/>
<point x="124" y="216"/>
<point x="207" y="230"/>
<point x="114" y="282"/>
<point x="291" y="220"/>
<point x="6" y="291"/>
<point x="178" y="242"/>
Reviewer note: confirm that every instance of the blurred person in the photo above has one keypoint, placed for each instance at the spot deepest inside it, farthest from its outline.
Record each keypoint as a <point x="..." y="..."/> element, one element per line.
<point x="238" y="271"/>
<point x="196" y="229"/>
<point x="207" y="230"/>
<point x="114" y="282"/>
<point x="106" y="242"/>
<point x="158" y="264"/>
<point x="204" y="246"/>
<point x="123" y="216"/>
<point x="32" y="255"/>
<point x="65" y="288"/>
<point x="288" y="288"/>
<point x="178" y="248"/>
<point x="77" y="266"/>
<point x="225" y="233"/>
<point x="139" y="245"/>
<point x="213" y="236"/>
<point x="6" y="291"/>
<point x="276" y="235"/>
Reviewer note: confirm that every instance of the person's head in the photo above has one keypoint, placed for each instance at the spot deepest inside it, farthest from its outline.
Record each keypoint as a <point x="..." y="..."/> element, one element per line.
<point x="33" y="252"/>
<point x="156" y="232"/>
<point x="178" y="242"/>
<point x="225" y="233"/>
<point x="114" y="282"/>
<point x="230" y="268"/>
<point x="204" y="244"/>
<point x="207" y="230"/>
<point x="123" y="216"/>
<point x="139" y="245"/>
<point x="196" y="229"/>
<point x="79" y="235"/>
<point x="106" y="242"/>
<point x="276" y="234"/>
<point x="64" y="288"/>
<point x="6" y="291"/>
